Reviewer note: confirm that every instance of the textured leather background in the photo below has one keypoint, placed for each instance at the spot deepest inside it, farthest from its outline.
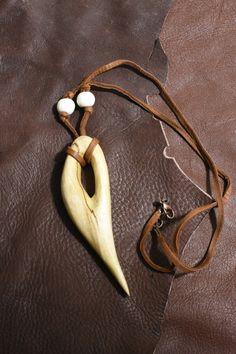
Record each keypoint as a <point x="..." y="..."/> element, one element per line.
<point x="199" y="40"/>
<point x="55" y="294"/>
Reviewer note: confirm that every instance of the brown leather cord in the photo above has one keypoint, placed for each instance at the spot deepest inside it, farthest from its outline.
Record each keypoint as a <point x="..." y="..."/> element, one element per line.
<point x="69" y="94"/>
<point x="84" y="121"/>
<point x="184" y="129"/>
<point x="76" y="156"/>
<point x="65" y="118"/>
<point x="145" y="234"/>
<point x="89" y="151"/>
<point x="83" y="160"/>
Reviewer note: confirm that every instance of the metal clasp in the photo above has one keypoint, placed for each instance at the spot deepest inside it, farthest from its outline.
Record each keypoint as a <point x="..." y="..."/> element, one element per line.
<point x="166" y="208"/>
<point x="166" y="212"/>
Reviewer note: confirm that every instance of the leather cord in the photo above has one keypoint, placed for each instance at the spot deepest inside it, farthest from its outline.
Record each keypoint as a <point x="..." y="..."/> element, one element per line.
<point x="83" y="160"/>
<point x="184" y="129"/>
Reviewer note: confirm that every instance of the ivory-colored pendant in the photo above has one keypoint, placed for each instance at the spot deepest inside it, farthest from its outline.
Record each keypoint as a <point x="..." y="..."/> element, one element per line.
<point x="92" y="215"/>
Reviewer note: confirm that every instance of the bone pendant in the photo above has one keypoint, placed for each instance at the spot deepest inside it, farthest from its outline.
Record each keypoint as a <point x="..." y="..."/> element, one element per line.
<point x="92" y="215"/>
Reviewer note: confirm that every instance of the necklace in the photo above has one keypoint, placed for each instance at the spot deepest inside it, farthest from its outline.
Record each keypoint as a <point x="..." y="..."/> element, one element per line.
<point x="93" y="215"/>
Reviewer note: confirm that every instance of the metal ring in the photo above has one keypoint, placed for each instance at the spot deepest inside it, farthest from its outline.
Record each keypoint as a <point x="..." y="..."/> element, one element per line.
<point x="170" y="213"/>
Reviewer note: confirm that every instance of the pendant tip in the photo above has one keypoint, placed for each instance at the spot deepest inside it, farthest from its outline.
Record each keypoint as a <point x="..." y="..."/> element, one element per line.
<point x="124" y="286"/>
<point x="127" y="292"/>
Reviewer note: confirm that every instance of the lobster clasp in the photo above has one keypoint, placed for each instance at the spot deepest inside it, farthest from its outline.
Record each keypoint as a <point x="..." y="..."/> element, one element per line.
<point x="166" y="208"/>
<point x="166" y="212"/>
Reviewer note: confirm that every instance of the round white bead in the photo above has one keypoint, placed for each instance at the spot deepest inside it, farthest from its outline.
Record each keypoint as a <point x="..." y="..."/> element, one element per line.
<point x="66" y="105"/>
<point x="85" y="99"/>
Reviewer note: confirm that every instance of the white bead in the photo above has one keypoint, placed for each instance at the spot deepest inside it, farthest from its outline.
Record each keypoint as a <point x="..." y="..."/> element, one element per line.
<point x="66" y="105"/>
<point x="85" y="99"/>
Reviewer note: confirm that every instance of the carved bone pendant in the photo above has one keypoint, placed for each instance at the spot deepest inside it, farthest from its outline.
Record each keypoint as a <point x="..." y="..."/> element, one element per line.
<point x="92" y="215"/>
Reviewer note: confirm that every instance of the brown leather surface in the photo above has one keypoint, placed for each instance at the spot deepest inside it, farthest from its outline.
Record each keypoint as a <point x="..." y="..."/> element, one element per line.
<point x="200" y="316"/>
<point x="56" y="296"/>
